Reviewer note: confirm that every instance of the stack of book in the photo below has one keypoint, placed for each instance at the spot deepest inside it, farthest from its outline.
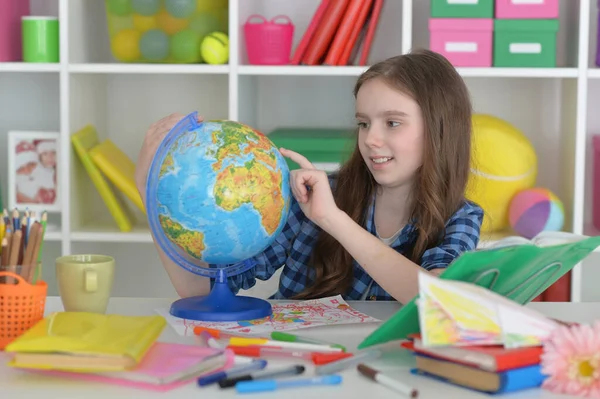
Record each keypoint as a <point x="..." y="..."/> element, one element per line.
<point x="491" y="369"/>
<point x="340" y="33"/>
<point x="113" y="349"/>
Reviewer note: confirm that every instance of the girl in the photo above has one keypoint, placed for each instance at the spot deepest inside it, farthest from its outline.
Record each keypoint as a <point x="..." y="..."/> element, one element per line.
<point x="396" y="208"/>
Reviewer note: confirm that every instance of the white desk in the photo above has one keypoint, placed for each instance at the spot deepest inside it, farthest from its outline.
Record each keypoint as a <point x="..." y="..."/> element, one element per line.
<point x="17" y="384"/>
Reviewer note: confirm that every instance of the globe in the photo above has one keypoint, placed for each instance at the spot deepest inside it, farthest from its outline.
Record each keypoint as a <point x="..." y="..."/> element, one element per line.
<point x="217" y="195"/>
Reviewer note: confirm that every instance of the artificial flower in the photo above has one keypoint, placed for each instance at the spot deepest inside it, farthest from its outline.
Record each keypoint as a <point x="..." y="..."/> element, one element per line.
<point x="571" y="360"/>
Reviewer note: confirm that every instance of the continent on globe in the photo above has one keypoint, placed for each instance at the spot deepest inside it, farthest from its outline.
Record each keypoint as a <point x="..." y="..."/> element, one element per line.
<point x="254" y="184"/>
<point x="190" y="241"/>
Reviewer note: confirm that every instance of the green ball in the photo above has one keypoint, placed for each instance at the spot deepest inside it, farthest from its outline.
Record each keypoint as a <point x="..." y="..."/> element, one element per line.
<point x="205" y="23"/>
<point x="154" y="45"/>
<point x="146" y="7"/>
<point x="180" y="8"/>
<point x="119" y="7"/>
<point x="185" y="46"/>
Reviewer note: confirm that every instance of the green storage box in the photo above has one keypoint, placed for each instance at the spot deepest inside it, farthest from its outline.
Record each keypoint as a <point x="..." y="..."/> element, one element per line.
<point x="462" y="9"/>
<point x="326" y="148"/>
<point x="525" y="42"/>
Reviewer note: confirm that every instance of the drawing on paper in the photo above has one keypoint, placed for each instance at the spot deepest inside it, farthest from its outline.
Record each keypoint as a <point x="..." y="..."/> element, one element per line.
<point x="311" y="313"/>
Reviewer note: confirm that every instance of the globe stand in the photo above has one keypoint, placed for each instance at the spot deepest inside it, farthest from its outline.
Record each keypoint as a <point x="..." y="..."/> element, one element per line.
<point x="221" y="304"/>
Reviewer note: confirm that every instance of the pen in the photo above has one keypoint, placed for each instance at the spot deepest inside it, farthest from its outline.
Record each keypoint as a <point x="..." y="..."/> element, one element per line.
<point x="267" y="351"/>
<point x="262" y="375"/>
<point x="286" y="337"/>
<point x="242" y="341"/>
<point x="339" y="365"/>
<point x="232" y="372"/>
<point x="272" y="385"/>
<point x="387" y="381"/>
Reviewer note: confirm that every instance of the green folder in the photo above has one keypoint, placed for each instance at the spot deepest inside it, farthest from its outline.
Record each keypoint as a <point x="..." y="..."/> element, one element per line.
<point x="518" y="272"/>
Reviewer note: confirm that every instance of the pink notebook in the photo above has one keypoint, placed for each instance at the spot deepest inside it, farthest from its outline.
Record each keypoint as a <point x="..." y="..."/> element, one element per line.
<point x="165" y="367"/>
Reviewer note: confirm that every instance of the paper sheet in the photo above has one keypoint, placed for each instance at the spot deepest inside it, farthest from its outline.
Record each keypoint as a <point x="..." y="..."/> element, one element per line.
<point x="459" y="313"/>
<point x="292" y="316"/>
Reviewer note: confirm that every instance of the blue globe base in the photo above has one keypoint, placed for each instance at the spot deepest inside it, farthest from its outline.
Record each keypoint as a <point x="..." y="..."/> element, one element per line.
<point x="221" y="305"/>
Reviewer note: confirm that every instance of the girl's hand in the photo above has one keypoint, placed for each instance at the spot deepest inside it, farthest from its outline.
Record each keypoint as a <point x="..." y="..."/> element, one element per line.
<point x="154" y="136"/>
<point x="311" y="189"/>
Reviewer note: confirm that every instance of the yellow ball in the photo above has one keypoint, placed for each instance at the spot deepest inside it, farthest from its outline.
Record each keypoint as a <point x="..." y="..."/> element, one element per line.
<point x="503" y="162"/>
<point x="125" y="45"/>
<point x="169" y="24"/>
<point x="215" y="48"/>
<point x="144" y="23"/>
<point x="210" y="5"/>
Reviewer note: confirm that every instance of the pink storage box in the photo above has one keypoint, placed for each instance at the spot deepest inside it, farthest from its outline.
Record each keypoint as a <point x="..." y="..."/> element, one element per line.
<point x="11" y="12"/>
<point x="523" y="9"/>
<point x="465" y="42"/>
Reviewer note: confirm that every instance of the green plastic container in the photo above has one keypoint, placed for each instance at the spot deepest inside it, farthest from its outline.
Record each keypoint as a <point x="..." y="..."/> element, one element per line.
<point x="467" y="9"/>
<point x="525" y="42"/>
<point x="326" y="148"/>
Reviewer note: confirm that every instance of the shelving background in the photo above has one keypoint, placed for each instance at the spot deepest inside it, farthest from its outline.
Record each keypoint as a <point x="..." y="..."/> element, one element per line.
<point x="554" y="107"/>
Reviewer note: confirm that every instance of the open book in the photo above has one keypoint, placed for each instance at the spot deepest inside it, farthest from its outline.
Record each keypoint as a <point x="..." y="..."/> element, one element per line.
<point x="518" y="269"/>
<point x="544" y="239"/>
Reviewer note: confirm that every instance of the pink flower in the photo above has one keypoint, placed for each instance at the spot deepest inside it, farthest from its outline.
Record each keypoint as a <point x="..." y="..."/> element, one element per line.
<point x="571" y="360"/>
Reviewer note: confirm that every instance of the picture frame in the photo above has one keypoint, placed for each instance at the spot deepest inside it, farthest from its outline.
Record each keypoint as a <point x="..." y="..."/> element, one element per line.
<point x="33" y="171"/>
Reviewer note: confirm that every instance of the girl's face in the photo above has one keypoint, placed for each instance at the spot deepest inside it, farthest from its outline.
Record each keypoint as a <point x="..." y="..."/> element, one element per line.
<point x="48" y="159"/>
<point x="391" y="133"/>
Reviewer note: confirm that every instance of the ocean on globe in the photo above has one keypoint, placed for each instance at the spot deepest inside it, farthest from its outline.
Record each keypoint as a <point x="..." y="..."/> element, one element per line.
<point x="220" y="192"/>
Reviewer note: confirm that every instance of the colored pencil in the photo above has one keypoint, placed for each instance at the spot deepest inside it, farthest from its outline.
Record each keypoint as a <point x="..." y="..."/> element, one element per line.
<point x="21" y="240"/>
<point x="44" y="221"/>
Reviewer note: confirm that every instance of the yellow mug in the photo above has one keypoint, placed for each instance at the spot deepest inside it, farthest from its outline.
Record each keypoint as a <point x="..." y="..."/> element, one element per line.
<point x="85" y="282"/>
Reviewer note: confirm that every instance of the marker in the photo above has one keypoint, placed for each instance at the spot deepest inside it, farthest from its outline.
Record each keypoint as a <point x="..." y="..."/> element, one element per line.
<point x="340" y="365"/>
<point x="262" y="375"/>
<point x="272" y="385"/>
<point x="217" y="333"/>
<point x="231" y="373"/>
<point x="387" y="381"/>
<point x="210" y="341"/>
<point x="286" y="337"/>
<point x="242" y="341"/>
<point x="267" y="351"/>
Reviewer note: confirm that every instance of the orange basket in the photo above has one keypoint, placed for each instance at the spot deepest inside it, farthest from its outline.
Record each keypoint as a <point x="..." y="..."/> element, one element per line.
<point x="21" y="306"/>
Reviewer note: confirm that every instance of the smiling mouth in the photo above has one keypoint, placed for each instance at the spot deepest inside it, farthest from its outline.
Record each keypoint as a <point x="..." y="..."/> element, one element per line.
<point x="381" y="160"/>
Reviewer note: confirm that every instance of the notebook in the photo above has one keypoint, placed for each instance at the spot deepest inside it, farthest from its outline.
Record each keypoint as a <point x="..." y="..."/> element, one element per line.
<point x="86" y="342"/>
<point x="165" y="367"/>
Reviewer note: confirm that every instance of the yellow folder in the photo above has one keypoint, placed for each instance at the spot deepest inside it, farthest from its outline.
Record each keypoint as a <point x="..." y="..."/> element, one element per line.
<point x="118" y="168"/>
<point x="83" y="141"/>
<point x="86" y="342"/>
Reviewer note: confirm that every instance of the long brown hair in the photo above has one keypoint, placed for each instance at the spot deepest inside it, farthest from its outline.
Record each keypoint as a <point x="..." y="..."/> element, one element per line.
<point x="439" y="188"/>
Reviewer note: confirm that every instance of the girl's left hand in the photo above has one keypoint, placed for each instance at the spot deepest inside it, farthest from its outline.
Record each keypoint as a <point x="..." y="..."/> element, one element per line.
<point x="311" y="189"/>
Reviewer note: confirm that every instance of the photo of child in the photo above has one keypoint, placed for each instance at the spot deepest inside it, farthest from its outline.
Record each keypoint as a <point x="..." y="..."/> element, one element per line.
<point x="45" y="172"/>
<point x="34" y="183"/>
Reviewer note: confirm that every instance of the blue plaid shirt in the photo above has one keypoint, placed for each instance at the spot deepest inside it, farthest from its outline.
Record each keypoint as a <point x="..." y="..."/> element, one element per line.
<point x="292" y="249"/>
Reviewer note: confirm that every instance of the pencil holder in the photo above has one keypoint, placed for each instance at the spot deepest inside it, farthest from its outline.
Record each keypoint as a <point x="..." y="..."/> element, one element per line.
<point x="21" y="305"/>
